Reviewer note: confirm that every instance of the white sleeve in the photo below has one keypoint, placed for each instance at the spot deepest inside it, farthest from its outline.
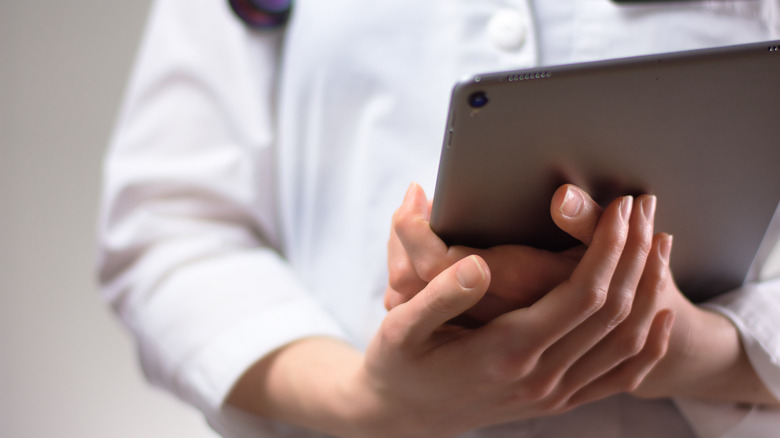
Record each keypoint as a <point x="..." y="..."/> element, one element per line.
<point x="187" y="252"/>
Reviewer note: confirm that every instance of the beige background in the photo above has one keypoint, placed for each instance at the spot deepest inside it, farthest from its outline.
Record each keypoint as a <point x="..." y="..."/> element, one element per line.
<point x="67" y="368"/>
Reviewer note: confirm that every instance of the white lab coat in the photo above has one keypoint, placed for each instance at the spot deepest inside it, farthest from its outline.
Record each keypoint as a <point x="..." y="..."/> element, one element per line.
<point x="251" y="181"/>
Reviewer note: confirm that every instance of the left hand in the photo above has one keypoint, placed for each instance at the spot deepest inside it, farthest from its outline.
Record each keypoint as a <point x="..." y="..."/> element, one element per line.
<point x="521" y="274"/>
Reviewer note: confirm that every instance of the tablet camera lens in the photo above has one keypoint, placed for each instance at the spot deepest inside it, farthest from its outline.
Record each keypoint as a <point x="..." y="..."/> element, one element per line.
<point x="478" y="99"/>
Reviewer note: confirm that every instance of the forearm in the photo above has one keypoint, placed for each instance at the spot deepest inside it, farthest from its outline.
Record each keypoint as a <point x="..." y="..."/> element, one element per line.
<point x="304" y="383"/>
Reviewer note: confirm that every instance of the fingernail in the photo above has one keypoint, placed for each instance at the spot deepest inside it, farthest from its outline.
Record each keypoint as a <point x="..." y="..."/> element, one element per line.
<point x="572" y="202"/>
<point x="470" y="273"/>
<point x="625" y="207"/>
<point x="409" y="192"/>
<point x="665" y="247"/>
<point x="648" y="207"/>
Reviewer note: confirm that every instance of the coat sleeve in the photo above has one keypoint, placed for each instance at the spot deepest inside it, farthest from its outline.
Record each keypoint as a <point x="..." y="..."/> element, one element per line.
<point x="188" y="245"/>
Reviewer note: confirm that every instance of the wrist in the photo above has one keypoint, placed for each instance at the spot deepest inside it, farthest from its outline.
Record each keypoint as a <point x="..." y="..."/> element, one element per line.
<point x="323" y="384"/>
<point x="307" y="383"/>
<point x="702" y="345"/>
<point x="377" y="410"/>
<point x="706" y="356"/>
<point x="705" y="360"/>
<point x="364" y="410"/>
<point x="735" y="379"/>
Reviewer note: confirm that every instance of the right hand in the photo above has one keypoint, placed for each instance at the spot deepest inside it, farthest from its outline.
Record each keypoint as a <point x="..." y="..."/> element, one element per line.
<point x="587" y="338"/>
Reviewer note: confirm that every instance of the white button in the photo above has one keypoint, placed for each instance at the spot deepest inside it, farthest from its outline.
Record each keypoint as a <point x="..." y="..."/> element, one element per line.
<point x="506" y="29"/>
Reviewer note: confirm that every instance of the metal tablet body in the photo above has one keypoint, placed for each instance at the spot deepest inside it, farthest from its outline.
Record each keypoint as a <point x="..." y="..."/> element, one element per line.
<point x="700" y="129"/>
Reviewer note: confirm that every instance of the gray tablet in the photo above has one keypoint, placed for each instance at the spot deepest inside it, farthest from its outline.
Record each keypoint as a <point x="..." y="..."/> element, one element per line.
<point x="700" y="129"/>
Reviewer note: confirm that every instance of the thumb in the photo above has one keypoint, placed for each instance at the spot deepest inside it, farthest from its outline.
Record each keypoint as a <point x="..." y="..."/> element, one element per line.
<point x="450" y="293"/>
<point x="416" y="202"/>
<point x="575" y="212"/>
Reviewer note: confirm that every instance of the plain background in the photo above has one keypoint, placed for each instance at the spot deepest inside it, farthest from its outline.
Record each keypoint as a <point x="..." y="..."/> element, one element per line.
<point x="67" y="368"/>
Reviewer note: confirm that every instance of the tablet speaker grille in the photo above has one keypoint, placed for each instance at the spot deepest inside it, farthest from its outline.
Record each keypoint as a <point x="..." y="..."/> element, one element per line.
<point x="528" y="76"/>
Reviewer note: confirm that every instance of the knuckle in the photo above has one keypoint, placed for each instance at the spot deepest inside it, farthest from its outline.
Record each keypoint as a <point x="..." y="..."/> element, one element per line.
<point x="660" y="280"/>
<point x="618" y="309"/>
<point x="407" y="225"/>
<point x="555" y="403"/>
<point x="427" y="268"/>
<point x="541" y="388"/>
<point x="440" y="303"/>
<point x="656" y="351"/>
<point x="631" y="382"/>
<point x="614" y="242"/>
<point x="510" y="366"/>
<point x="402" y="278"/>
<point x="402" y="221"/>
<point x="653" y="281"/>
<point x="395" y="280"/>
<point x="631" y="344"/>
<point x="645" y="246"/>
<point x="394" y="219"/>
<point x="393" y="333"/>
<point x="507" y="368"/>
<point x="594" y="298"/>
<point x="642" y="233"/>
<point x="398" y="272"/>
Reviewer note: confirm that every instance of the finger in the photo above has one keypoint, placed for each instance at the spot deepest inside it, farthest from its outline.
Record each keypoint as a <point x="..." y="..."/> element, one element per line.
<point x="629" y="375"/>
<point x="630" y="337"/>
<point x="394" y="298"/>
<point x="575" y="212"/>
<point x="598" y="264"/>
<point x="402" y="277"/>
<point x="448" y="295"/>
<point x="561" y="356"/>
<point x="629" y="270"/>
<point x="427" y="253"/>
<point x="585" y="292"/>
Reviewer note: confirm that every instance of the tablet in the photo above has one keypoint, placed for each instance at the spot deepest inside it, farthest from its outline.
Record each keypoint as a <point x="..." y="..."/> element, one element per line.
<point x="699" y="129"/>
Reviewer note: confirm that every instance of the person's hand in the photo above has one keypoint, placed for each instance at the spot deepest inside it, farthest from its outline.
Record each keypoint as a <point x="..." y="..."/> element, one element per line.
<point x="705" y="358"/>
<point x="588" y="337"/>
<point x="521" y="274"/>
<point x="617" y="323"/>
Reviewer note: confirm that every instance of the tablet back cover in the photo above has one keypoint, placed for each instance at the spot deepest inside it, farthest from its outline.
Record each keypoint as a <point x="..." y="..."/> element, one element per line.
<point x="699" y="129"/>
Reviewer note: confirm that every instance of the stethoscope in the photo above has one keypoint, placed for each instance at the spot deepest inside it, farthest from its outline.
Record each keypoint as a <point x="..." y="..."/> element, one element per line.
<point x="262" y="14"/>
<point x="268" y="14"/>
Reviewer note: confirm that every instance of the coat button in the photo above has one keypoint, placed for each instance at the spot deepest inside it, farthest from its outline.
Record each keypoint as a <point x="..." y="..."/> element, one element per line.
<point x="506" y="29"/>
